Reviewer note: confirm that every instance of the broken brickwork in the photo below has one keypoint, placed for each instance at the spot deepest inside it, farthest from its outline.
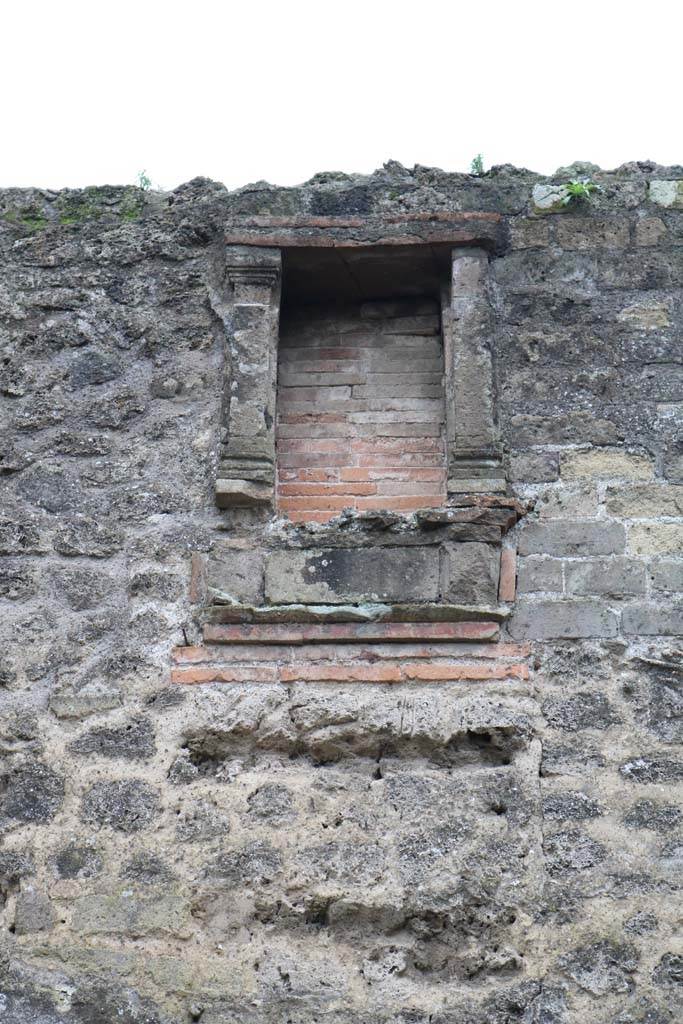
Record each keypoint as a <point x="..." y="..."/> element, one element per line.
<point x="410" y="755"/>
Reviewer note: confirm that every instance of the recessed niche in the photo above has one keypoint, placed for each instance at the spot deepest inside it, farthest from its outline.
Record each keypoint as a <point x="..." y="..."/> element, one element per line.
<point x="360" y="395"/>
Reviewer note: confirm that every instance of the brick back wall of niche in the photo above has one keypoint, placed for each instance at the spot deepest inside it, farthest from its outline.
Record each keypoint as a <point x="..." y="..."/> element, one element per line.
<point x="360" y="409"/>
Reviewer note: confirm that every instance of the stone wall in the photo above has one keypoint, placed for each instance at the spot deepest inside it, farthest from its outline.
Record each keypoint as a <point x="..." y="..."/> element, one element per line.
<point x="215" y="814"/>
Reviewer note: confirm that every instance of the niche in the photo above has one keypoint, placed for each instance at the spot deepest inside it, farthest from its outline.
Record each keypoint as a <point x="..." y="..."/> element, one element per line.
<point x="361" y="417"/>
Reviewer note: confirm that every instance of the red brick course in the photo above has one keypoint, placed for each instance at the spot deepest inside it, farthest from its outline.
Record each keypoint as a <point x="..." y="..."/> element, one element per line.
<point x="360" y="402"/>
<point x="348" y="632"/>
<point x="379" y="663"/>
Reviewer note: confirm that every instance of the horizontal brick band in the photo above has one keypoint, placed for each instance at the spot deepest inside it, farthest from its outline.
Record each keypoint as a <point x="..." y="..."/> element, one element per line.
<point x="246" y="653"/>
<point x="407" y="662"/>
<point x="347" y="672"/>
<point x="349" y="632"/>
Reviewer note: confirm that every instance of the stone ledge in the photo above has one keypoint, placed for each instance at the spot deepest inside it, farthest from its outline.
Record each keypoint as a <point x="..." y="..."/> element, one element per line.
<point x="371" y="612"/>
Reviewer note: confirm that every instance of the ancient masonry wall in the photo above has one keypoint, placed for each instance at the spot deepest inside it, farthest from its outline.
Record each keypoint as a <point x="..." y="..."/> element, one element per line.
<point x="389" y="768"/>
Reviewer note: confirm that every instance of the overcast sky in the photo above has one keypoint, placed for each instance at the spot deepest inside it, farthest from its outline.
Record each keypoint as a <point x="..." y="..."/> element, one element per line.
<point x="242" y="90"/>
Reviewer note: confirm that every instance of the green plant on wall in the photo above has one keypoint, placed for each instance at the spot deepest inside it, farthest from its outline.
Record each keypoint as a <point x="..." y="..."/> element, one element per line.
<point x="477" y="165"/>
<point x="579" y="190"/>
<point x="143" y="181"/>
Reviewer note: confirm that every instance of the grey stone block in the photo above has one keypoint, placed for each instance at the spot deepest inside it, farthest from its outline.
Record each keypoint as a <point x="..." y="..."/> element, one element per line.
<point x="336" y="575"/>
<point x="565" y="537"/>
<point x="127" y="915"/>
<point x="539" y="574"/>
<point x="33" y="913"/>
<point x="653" y="620"/>
<point x="471" y="573"/>
<point x="667" y="575"/>
<point x="535" y="468"/>
<point x="235" y="575"/>
<point x="545" y="620"/>
<point x="608" y="576"/>
<point x="645" y="501"/>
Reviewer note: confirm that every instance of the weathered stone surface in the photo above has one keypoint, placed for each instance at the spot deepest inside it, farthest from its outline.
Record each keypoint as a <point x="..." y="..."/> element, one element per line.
<point x="337" y="575"/>
<point x="656" y="817"/>
<point x="33" y="913"/>
<point x="125" y="914"/>
<point x="77" y="861"/>
<point x="540" y="574"/>
<point x="667" y="193"/>
<point x="534" y="468"/>
<point x="90" y="538"/>
<point x="31" y="792"/>
<point x="582" y="711"/>
<point x="571" y="806"/>
<point x="655" y="538"/>
<point x="666" y="575"/>
<point x="653" y="620"/>
<point x="602" y="967"/>
<point x="127" y="805"/>
<point x="606" y="464"/>
<point x="608" y="576"/>
<point x="549" y="198"/>
<point x="645" y="502"/>
<point x="572" y="538"/>
<point x="70" y="702"/>
<point x="472" y="572"/>
<point x="235" y="575"/>
<point x="132" y="741"/>
<point x="547" y="619"/>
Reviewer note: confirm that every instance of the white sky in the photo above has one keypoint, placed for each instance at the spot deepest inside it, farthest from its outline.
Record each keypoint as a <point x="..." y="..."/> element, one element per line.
<point x="94" y="92"/>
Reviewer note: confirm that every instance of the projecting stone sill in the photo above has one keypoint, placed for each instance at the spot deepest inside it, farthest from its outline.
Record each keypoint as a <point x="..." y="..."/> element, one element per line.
<point x="413" y="614"/>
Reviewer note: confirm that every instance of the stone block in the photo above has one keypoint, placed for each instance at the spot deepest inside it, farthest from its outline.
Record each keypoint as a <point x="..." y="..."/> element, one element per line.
<point x="534" y="468"/>
<point x="471" y="573"/>
<point x="69" y="701"/>
<point x="613" y="577"/>
<point x="645" y="501"/>
<point x="539" y="573"/>
<point x="338" y="575"/>
<point x="667" y="575"/>
<point x="33" y="913"/>
<point x="668" y="194"/>
<point x="568" y="501"/>
<point x="593" y="233"/>
<point x="577" y="427"/>
<point x="230" y="493"/>
<point x="127" y="915"/>
<point x="653" y="620"/>
<point x="528" y="233"/>
<point x="235" y="575"/>
<point x="127" y="805"/>
<point x="606" y="464"/>
<point x="650" y="231"/>
<point x="580" y="539"/>
<point x="549" y="198"/>
<point x="656" y="539"/>
<point x="646" y="315"/>
<point x="547" y="620"/>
